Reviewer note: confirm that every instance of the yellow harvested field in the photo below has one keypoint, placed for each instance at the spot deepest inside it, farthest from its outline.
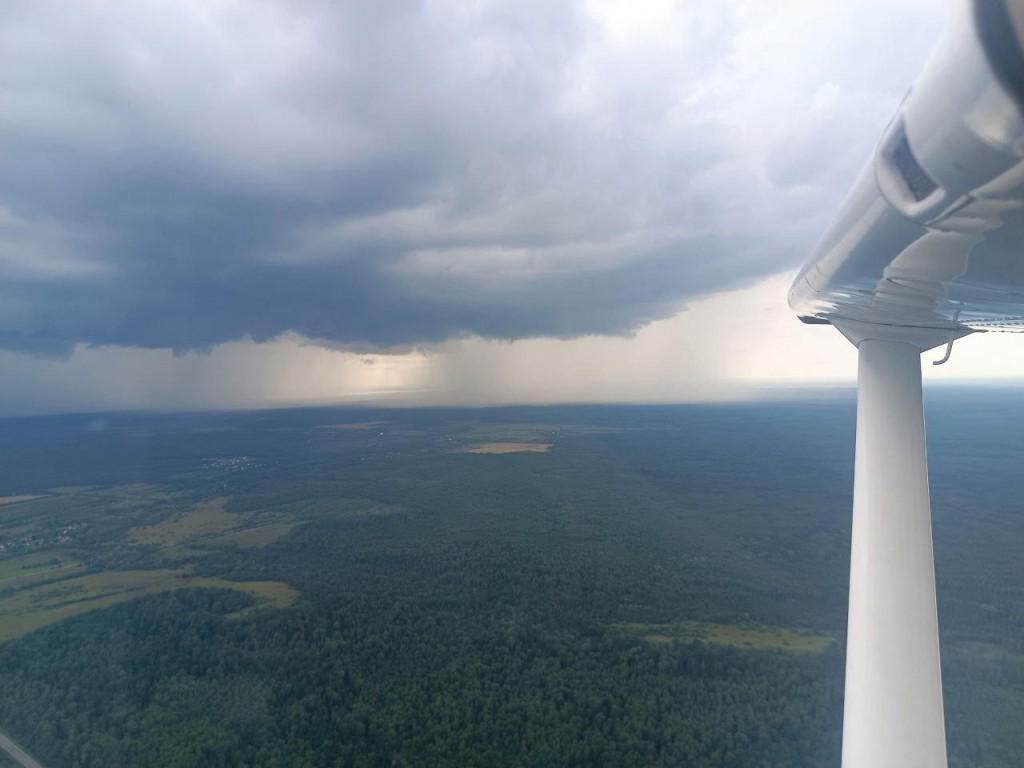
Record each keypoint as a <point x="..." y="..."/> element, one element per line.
<point x="509" y="448"/>
<point x="357" y="425"/>
<point x="36" y="606"/>
<point x="205" y="519"/>
<point x="15" y="499"/>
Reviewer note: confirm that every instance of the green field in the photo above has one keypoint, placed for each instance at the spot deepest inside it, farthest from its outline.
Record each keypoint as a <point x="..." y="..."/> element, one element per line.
<point x="46" y="585"/>
<point x="40" y="603"/>
<point x="259" y="536"/>
<point x="205" y="519"/>
<point x="30" y="567"/>
<point x="754" y="637"/>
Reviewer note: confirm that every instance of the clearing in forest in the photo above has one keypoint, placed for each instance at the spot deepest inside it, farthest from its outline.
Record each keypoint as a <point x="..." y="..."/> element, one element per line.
<point x="144" y="491"/>
<point x="39" y="604"/>
<point x="15" y="499"/>
<point x="747" y="636"/>
<point x="37" y="564"/>
<point x="257" y="537"/>
<point x="204" y="519"/>
<point x="497" y="448"/>
<point x="357" y="425"/>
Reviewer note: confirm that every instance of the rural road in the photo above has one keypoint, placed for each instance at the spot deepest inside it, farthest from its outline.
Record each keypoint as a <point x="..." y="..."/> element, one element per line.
<point x="17" y="753"/>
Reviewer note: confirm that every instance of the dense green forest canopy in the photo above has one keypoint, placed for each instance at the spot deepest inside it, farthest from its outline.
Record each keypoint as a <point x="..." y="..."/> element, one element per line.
<point x="509" y="587"/>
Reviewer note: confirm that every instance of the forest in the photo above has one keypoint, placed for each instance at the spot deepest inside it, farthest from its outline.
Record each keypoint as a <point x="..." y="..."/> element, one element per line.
<point x="657" y="586"/>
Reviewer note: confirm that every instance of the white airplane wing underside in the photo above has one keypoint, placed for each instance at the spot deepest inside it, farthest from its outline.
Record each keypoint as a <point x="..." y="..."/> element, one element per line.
<point x="931" y="235"/>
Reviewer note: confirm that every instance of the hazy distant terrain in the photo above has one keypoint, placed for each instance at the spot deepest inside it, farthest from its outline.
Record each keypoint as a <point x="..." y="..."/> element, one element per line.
<point x="522" y="586"/>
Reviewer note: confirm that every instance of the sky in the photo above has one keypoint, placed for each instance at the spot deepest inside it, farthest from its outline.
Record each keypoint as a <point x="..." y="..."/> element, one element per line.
<point x="255" y="202"/>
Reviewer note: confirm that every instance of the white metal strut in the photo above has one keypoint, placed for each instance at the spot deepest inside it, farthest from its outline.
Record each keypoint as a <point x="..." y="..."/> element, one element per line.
<point x="893" y="715"/>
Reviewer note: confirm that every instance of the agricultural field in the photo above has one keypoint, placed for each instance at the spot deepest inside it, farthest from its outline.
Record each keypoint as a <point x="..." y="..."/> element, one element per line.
<point x="361" y="426"/>
<point x="5" y="500"/>
<point x="754" y="637"/>
<point x="258" y="536"/>
<point x="501" y="448"/>
<point x="31" y="567"/>
<point x="39" y="602"/>
<point x="197" y="522"/>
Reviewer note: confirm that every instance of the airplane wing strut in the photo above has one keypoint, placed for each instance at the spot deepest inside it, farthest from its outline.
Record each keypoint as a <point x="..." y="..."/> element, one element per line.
<point x="928" y="248"/>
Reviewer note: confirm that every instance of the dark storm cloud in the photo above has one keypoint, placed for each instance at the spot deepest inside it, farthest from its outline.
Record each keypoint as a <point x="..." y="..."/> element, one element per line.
<point x="379" y="174"/>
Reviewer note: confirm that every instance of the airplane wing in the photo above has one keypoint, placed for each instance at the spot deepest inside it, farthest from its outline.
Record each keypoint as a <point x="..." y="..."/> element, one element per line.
<point x="930" y="237"/>
<point x="928" y="247"/>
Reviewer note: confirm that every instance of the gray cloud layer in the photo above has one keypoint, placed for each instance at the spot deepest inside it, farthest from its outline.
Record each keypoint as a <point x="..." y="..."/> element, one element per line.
<point x="379" y="175"/>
